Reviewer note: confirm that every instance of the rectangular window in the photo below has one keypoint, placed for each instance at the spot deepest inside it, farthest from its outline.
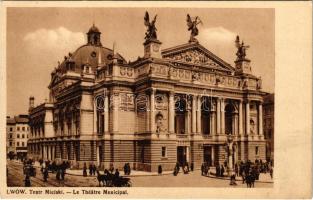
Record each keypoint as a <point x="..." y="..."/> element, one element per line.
<point x="11" y="136"/>
<point x="23" y="136"/>
<point x="18" y="144"/>
<point x="10" y="144"/>
<point x="11" y="129"/>
<point x="257" y="150"/>
<point x="22" y="144"/>
<point x="18" y="135"/>
<point x="164" y="152"/>
<point x="18" y="128"/>
<point x="23" y="128"/>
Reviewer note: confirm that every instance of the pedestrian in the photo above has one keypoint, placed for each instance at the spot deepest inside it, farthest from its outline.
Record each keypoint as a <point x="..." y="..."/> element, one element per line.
<point x="160" y="170"/>
<point x="222" y="170"/>
<point x="128" y="169"/>
<point x="236" y="170"/>
<point x="117" y="174"/>
<point x="271" y="172"/>
<point x="58" y="174"/>
<point x="27" y="181"/>
<point x="45" y="174"/>
<point x="202" y="169"/>
<point x="85" y="170"/>
<point x="94" y="169"/>
<point x="125" y="169"/>
<point x="90" y="169"/>
<point x="175" y="171"/>
<point x="62" y="174"/>
<point x="233" y="179"/>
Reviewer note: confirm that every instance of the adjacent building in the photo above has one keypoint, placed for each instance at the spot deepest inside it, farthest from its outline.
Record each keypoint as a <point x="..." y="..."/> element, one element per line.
<point x="268" y="118"/>
<point x="17" y="135"/>
<point x="180" y="104"/>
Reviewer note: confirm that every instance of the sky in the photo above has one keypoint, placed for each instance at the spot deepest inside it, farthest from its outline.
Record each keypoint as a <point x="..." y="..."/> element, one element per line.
<point x="37" y="38"/>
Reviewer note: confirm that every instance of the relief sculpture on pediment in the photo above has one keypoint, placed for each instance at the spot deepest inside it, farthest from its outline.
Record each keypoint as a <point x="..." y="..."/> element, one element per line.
<point x="194" y="57"/>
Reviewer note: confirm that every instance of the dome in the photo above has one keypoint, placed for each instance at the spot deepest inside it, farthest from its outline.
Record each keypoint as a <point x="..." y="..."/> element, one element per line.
<point x="93" y="29"/>
<point x="92" y="55"/>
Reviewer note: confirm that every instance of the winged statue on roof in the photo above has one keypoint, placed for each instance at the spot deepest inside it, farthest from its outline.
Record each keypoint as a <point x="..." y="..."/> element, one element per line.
<point x="151" y="29"/>
<point x="192" y="26"/>
<point x="241" y="49"/>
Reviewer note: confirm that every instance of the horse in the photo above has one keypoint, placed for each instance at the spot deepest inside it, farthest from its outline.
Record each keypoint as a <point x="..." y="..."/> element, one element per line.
<point x="101" y="178"/>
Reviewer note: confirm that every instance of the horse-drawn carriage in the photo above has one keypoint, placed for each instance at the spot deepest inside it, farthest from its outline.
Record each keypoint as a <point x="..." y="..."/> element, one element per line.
<point x="110" y="180"/>
<point x="29" y="169"/>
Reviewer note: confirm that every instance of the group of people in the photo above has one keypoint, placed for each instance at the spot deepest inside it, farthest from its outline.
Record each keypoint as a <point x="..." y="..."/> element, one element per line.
<point x="220" y="169"/>
<point x="58" y="168"/>
<point x="185" y="168"/>
<point x="250" y="171"/>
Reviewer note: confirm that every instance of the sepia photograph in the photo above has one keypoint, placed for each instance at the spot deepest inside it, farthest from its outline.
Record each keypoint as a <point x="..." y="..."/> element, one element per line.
<point x="158" y="97"/>
<point x="140" y="97"/>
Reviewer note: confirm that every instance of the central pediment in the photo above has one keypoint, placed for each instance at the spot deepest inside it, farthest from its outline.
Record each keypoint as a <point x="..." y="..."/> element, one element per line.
<point x="196" y="54"/>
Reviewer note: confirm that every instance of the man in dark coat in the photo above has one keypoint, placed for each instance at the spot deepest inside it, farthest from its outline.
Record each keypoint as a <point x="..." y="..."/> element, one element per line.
<point x="222" y="171"/>
<point x="85" y="170"/>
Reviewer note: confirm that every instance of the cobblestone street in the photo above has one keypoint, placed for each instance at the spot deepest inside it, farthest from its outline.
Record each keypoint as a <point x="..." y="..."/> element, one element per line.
<point x="193" y="179"/>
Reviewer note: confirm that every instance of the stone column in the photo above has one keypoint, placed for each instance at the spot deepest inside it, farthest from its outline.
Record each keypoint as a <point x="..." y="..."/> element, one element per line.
<point x="49" y="152"/>
<point x="213" y="123"/>
<point x="187" y="155"/>
<point x="115" y="111"/>
<point x="236" y="124"/>
<point x="106" y="112"/>
<point x="260" y="120"/>
<point x="194" y="114"/>
<point x="218" y="117"/>
<point x="212" y="155"/>
<point x="171" y="113"/>
<point x="247" y="118"/>
<point x="152" y="109"/>
<point x="95" y="116"/>
<point x="222" y="116"/>
<point x="240" y="119"/>
<point x="199" y="114"/>
<point x="98" y="155"/>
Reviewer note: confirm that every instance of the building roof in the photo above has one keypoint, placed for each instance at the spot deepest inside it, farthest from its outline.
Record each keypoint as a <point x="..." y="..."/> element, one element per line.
<point x="268" y="99"/>
<point x="20" y="119"/>
<point x="91" y="53"/>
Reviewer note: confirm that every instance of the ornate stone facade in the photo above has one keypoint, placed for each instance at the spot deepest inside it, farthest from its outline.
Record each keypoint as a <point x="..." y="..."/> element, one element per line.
<point x="173" y="105"/>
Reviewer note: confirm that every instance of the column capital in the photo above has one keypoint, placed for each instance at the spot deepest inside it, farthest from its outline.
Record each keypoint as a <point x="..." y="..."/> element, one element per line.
<point x="171" y="93"/>
<point x="150" y="91"/>
<point x="247" y="100"/>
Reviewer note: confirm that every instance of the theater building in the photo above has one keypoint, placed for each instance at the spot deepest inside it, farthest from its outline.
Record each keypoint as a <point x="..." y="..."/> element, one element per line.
<point x="178" y="104"/>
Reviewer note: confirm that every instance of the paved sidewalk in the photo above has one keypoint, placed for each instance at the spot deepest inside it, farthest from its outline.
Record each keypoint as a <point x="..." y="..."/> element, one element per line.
<point x="265" y="178"/>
